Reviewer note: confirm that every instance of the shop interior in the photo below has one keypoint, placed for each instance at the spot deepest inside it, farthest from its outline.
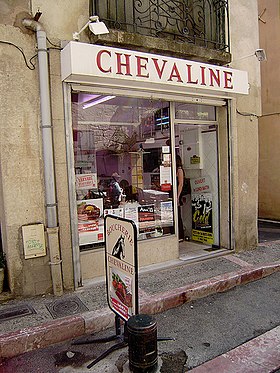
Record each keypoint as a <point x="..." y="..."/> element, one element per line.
<point x="123" y="166"/>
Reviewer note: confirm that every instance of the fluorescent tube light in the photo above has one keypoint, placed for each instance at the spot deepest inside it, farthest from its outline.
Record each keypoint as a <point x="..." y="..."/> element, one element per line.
<point x="98" y="101"/>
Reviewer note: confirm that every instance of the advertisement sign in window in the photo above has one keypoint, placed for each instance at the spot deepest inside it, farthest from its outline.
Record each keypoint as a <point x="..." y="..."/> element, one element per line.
<point x="86" y="181"/>
<point x="202" y="218"/>
<point x="90" y="221"/>
<point x="165" y="178"/>
<point x="146" y="218"/>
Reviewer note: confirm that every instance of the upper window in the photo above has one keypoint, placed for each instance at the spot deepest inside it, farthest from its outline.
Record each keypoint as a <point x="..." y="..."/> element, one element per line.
<point x="122" y="164"/>
<point x="201" y="22"/>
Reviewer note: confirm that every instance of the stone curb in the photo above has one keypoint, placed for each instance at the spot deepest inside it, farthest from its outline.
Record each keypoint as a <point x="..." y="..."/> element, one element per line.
<point x="176" y="297"/>
<point x="259" y="355"/>
<point x="41" y="336"/>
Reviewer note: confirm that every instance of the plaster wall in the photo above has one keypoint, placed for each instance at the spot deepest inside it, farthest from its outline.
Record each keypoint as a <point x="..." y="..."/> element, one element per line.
<point x="21" y="162"/>
<point x="269" y="123"/>
<point x="21" y="168"/>
<point x="244" y="41"/>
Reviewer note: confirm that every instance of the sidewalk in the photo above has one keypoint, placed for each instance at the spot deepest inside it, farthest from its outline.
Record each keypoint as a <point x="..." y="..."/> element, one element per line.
<point x="260" y="355"/>
<point x="48" y="320"/>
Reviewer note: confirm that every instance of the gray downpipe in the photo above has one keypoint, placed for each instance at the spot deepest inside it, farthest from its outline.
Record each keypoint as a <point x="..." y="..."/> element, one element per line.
<point x="47" y="143"/>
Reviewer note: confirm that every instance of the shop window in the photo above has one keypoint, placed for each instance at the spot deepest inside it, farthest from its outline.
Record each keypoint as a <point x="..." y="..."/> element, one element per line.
<point x="122" y="165"/>
<point x="195" y="112"/>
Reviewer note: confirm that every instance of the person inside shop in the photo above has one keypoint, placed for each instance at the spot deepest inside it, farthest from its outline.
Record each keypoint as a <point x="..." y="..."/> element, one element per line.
<point x="180" y="175"/>
<point x="89" y="195"/>
<point x="115" y="191"/>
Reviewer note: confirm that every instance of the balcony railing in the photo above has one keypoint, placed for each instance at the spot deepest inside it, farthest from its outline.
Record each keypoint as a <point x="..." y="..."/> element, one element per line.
<point x="201" y="22"/>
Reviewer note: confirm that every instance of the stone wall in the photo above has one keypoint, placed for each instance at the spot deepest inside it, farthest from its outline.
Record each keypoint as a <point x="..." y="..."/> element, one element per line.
<point x="269" y="123"/>
<point x="244" y="42"/>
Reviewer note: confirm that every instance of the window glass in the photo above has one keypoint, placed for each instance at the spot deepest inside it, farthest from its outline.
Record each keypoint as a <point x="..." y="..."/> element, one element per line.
<point x="122" y="164"/>
<point x="194" y="112"/>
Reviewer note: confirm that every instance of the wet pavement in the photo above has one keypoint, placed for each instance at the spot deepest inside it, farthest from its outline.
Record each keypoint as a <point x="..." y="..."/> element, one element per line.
<point x="202" y="330"/>
<point x="161" y="288"/>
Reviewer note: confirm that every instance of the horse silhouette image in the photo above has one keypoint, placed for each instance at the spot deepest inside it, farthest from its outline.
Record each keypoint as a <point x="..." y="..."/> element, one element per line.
<point x="118" y="249"/>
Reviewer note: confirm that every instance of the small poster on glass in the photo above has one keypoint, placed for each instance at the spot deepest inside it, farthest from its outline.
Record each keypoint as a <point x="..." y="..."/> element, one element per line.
<point x="146" y="218"/>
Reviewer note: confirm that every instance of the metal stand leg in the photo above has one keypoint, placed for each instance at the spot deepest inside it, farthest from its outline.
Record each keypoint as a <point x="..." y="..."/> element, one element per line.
<point x="106" y="353"/>
<point x="121" y="337"/>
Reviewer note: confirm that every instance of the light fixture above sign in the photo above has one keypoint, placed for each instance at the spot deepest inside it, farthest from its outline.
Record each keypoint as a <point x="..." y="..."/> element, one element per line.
<point x="95" y="26"/>
<point x="259" y="53"/>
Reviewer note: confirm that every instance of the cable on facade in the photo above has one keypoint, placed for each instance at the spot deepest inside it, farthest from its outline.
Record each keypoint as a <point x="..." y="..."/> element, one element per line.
<point x="268" y="114"/>
<point x="255" y="115"/>
<point x="32" y="67"/>
<point x="247" y="114"/>
<point x="54" y="45"/>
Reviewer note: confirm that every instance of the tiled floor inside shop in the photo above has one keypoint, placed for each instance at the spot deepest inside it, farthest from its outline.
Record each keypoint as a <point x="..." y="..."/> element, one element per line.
<point x="191" y="251"/>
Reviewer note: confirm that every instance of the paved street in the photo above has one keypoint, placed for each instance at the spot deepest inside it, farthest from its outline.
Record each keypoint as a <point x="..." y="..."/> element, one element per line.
<point x="203" y="329"/>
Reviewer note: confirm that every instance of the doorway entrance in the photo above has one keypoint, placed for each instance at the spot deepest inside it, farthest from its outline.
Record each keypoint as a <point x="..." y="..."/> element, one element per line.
<point x="196" y="141"/>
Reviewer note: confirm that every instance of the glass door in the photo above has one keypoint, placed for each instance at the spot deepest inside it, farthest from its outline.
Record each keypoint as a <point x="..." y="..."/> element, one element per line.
<point x="196" y="142"/>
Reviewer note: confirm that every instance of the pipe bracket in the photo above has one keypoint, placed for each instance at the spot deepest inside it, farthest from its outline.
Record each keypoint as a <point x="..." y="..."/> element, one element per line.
<point x="55" y="263"/>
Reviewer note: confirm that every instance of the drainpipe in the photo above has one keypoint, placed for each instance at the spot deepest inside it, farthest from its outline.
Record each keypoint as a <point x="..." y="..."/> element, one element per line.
<point x="47" y="140"/>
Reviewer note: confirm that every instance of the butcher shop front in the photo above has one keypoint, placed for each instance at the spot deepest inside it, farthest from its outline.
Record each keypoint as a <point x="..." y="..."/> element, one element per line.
<point x="129" y="116"/>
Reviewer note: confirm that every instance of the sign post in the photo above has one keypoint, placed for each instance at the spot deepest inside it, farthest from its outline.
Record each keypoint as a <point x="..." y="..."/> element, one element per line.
<point x="121" y="266"/>
<point x="121" y="261"/>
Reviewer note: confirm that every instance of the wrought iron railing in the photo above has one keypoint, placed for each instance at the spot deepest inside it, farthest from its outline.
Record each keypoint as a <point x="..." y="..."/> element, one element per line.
<point x="201" y="22"/>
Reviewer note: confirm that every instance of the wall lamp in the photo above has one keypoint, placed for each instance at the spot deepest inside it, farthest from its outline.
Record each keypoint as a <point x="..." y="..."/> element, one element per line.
<point x="95" y="26"/>
<point x="259" y="53"/>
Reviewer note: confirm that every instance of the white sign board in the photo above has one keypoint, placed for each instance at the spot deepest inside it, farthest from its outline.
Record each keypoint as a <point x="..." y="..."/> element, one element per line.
<point x="121" y="266"/>
<point x="86" y="181"/>
<point x="33" y="240"/>
<point x="201" y="185"/>
<point x="85" y="63"/>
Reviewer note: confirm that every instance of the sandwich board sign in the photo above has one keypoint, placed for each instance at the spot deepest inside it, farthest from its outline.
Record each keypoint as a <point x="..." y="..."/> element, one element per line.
<point x="121" y="266"/>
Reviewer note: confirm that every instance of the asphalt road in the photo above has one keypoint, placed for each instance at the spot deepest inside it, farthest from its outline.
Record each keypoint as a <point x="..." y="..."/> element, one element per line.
<point x="202" y="329"/>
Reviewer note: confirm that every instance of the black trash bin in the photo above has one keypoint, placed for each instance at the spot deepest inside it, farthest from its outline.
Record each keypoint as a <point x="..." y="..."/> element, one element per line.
<point x="142" y="343"/>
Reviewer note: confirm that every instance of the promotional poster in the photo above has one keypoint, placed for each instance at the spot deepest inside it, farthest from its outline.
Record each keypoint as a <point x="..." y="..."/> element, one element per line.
<point x="202" y="218"/>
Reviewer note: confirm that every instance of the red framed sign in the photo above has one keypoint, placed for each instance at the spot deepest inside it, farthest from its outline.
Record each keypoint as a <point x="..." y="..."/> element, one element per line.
<point x="121" y="266"/>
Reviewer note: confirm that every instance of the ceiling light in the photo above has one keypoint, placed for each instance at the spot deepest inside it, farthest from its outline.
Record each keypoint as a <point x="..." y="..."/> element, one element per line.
<point x="95" y="26"/>
<point x="98" y="101"/>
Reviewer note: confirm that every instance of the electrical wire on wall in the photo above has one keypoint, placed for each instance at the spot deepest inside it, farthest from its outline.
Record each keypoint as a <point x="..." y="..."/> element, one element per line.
<point x="255" y="115"/>
<point x="32" y="67"/>
<point x="30" y="64"/>
<point x="247" y="114"/>
<point x="54" y="46"/>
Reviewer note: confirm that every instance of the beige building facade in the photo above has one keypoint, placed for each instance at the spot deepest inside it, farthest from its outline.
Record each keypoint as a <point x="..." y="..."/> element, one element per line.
<point x="42" y="123"/>
<point x="269" y="130"/>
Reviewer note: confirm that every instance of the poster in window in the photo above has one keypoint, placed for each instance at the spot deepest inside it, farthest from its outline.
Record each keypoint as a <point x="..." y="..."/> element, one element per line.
<point x="90" y="220"/>
<point x="202" y="218"/>
<point x="146" y="218"/>
<point x="165" y="178"/>
<point x="131" y="213"/>
<point x="166" y="213"/>
<point x="86" y="181"/>
<point x="116" y="212"/>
